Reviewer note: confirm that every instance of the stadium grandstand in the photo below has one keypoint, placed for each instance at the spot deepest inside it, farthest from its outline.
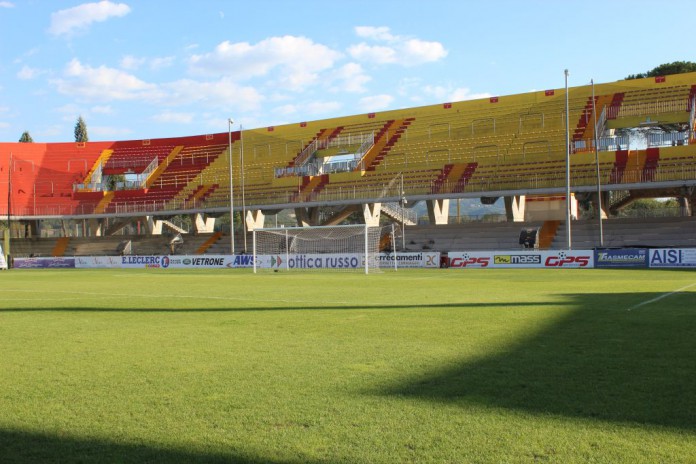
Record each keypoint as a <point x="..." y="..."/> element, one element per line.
<point x="625" y="140"/>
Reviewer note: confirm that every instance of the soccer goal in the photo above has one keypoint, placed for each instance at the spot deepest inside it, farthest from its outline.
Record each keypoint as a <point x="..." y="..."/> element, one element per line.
<point x="344" y="248"/>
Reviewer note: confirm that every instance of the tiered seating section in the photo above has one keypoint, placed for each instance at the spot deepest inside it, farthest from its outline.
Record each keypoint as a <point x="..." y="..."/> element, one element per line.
<point x="487" y="146"/>
<point x="618" y="233"/>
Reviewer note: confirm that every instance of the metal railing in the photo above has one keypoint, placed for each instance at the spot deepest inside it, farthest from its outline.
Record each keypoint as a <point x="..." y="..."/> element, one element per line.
<point x="647" y="108"/>
<point x="506" y="180"/>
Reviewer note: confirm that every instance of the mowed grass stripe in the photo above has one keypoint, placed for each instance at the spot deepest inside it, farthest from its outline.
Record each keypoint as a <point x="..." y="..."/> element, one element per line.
<point x="413" y="366"/>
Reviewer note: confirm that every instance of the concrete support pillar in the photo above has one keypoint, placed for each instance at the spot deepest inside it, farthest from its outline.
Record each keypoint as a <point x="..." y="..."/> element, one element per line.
<point x="605" y="204"/>
<point x="438" y="211"/>
<point x="307" y="217"/>
<point x="35" y="228"/>
<point x="203" y="224"/>
<point x="371" y="213"/>
<point x="28" y="228"/>
<point x="515" y="207"/>
<point x="687" y="201"/>
<point x="95" y="227"/>
<point x="154" y="226"/>
<point x="254" y="219"/>
<point x="685" y="206"/>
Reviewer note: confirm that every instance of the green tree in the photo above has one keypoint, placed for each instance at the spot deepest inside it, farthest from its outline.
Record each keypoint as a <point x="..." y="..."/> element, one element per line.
<point x="676" y="67"/>
<point x="81" y="130"/>
<point x="649" y="207"/>
<point x="26" y="138"/>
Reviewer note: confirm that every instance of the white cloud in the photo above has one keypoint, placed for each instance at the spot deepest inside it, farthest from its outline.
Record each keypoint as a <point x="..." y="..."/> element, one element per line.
<point x="219" y="94"/>
<point x="419" y="51"/>
<point x="6" y="5"/>
<point x="463" y="93"/>
<point x="161" y="62"/>
<point x="349" y="78"/>
<point x="4" y="125"/>
<point x="394" y="49"/>
<point x="376" y="33"/>
<point x="375" y="102"/>
<point x="27" y="73"/>
<point x="103" y="84"/>
<point x="373" y="53"/>
<point x="131" y="63"/>
<point x="297" y="60"/>
<point x="79" y="18"/>
<point x="174" y="117"/>
<point x="442" y="93"/>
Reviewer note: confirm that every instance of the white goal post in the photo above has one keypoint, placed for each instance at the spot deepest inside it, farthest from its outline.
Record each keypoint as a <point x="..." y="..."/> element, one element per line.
<point x="346" y="247"/>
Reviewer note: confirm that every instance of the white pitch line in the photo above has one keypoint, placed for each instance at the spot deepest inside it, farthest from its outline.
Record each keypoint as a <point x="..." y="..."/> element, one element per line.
<point x="664" y="295"/>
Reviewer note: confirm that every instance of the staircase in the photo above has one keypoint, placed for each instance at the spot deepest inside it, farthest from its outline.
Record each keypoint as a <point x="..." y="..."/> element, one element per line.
<point x="320" y="141"/>
<point x="619" y="167"/>
<point x="385" y="139"/>
<point x="547" y="234"/>
<point x="174" y="227"/>
<point x="652" y="159"/>
<point x="454" y="176"/>
<point x="311" y="185"/>
<point x="399" y="213"/>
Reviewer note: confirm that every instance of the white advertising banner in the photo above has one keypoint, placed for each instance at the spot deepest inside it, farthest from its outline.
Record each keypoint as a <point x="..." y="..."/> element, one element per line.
<point x="521" y="259"/>
<point x="311" y="261"/>
<point x="409" y="260"/>
<point x="165" y="262"/>
<point x="279" y="261"/>
<point x="672" y="257"/>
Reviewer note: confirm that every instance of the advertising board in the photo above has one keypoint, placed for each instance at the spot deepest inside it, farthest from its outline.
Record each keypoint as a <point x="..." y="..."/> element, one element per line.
<point x="522" y="259"/>
<point x="672" y="257"/>
<point x="44" y="263"/>
<point x="621" y="258"/>
<point x="165" y="262"/>
<point x="410" y="260"/>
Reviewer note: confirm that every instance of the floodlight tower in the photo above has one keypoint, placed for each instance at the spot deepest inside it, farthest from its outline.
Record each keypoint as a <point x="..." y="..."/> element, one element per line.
<point x="568" y="235"/>
<point x="229" y="132"/>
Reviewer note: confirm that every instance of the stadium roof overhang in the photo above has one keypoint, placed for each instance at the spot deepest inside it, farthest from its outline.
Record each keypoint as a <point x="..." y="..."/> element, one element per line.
<point x="654" y="186"/>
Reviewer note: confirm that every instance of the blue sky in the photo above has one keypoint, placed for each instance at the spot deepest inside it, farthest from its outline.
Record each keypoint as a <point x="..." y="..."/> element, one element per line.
<point x="149" y="69"/>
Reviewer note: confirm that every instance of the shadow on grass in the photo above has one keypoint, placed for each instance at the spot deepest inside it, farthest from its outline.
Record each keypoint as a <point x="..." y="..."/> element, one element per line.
<point x="597" y="361"/>
<point x="281" y="308"/>
<point x="26" y="447"/>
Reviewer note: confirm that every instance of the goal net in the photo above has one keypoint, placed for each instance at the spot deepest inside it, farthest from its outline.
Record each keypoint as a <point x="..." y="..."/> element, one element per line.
<point x="346" y="248"/>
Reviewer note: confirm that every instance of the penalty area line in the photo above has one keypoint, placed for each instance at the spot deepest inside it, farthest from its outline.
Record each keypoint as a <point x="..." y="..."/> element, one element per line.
<point x="658" y="298"/>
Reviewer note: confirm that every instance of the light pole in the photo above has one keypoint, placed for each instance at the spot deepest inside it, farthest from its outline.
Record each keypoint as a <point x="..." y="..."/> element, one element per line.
<point x="229" y="132"/>
<point x="403" y="216"/>
<point x="241" y="166"/>
<point x="599" y="185"/>
<point x="568" y="235"/>
<point x="9" y="217"/>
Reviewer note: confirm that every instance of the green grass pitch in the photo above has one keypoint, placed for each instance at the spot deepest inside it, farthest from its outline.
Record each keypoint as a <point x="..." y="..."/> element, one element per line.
<point x="442" y="366"/>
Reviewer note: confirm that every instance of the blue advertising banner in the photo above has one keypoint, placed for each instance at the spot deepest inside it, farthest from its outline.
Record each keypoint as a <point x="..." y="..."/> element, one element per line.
<point x="623" y="257"/>
<point x="43" y="263"/>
